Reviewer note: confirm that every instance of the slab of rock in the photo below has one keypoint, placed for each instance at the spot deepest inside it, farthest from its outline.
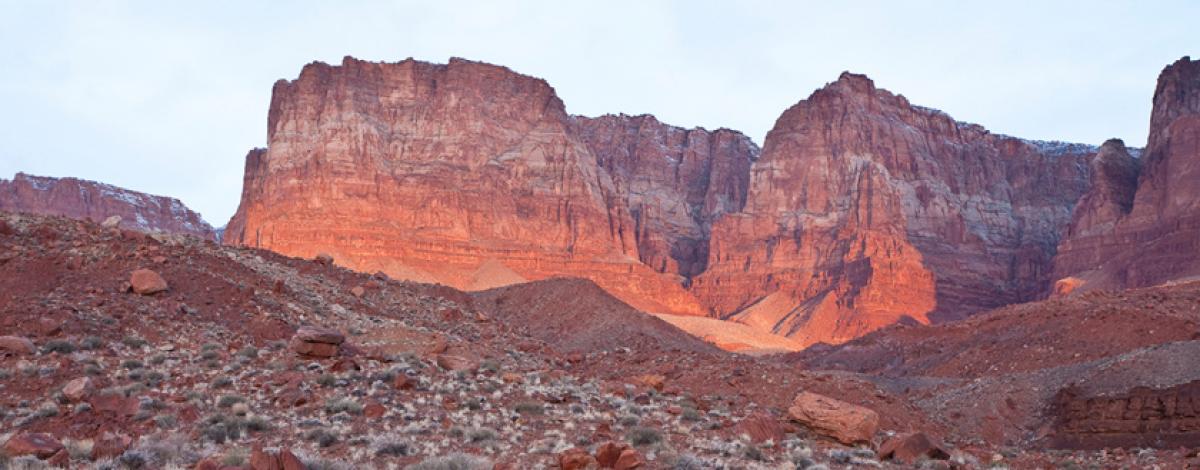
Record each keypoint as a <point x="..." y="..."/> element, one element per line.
<point x="147" y="282"/>
<point x="845" y="422"/>
<point x="317" y="342"/>
<point x="315" y="334"/>
<point x="16" y="345"/>
<point x="908" y="448"/>
<point x="78" y="389"/>
<point x="629" y="459"/>
<point x="40" y="445"/>
<point x="456" y="362"/>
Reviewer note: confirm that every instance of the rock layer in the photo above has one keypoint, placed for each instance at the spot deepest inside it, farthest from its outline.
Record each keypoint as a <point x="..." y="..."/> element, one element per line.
<point x="83" y="199"/>
<point x="1150" y="233"/>
<point x="471" y="175"/>
<point x="865" y="210"/>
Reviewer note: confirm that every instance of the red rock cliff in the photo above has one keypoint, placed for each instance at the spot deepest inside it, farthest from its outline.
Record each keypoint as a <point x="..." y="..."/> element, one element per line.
<point x="676" y="182"/>
<point x="83" y="199"/>
<point x="466" y="174"/>
<point x="1156" y="238"/>
<point x="864" y="210"/>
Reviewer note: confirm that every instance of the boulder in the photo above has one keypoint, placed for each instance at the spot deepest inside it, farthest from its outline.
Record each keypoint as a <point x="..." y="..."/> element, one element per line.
<point x="760" y="427"/>
<point x="456" y="362"/>
<point x="847" y="423"/>
<point x="40" y="445"/>
<point x="147" y="282"/>
<point x="315" y="350"/>
<point x="111" y="222"/>
<point x="908" y="448"/>
<point x="315" y="334"/>
<point x="609" y="453"/>
<point x="78" y="389"/>
<point x="16" y="345"/>
<point x="575" y="459"/>
<point x="629" y="459"/>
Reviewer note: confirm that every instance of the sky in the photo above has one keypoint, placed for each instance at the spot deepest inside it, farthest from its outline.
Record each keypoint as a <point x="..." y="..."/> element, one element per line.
<point x="167" y="97"/>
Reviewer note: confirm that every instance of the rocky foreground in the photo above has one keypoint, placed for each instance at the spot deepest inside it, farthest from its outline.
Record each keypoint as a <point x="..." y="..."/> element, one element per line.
<point x="128" y="350"/>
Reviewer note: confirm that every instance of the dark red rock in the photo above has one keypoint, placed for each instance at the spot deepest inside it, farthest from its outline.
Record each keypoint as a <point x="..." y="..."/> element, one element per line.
<point x="629" y="459"/>
<point x="147" y="282"/>
<point x="609" y="453"/>
<point x="40" y="445"/>
<point x="575" y="459"/>
<point x="82" y="199"/>
<point x="17" y="345"/>
<point x="313" y="334"/>
<point x="909" y="448"/>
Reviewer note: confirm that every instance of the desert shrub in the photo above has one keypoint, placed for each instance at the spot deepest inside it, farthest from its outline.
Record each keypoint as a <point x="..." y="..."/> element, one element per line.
<point x="343" y="405"/>
<point x="165" y="421"/>
<point x="752" y="452"/>
<point x="24" y="462"/>
<point x="643" y="436"/>
<point x="455" y="461"/>
<point x="248" y="352"/>
<point x="91" y="342"/>
<point x="628" y="420"/>
<point x="392" y="448"/>
<point x="529" y="408"/>
<point x="60" y="346"/>
<point x="227" y="401"/>
<point x="478" y="435"/>
<point x="323" y="437"/>
<point x="327" y="380"/>
<point x="5" y="374"/>
<point x="132" y="364"/>
<point x="490" y="365"/>
<point x="209" y="355"/>
<point x="258" y="424"/>
<point x="158" y="359"/>
<point x="221" y="382"/>
<point x="133" y="342"/>
<point x="688" y="462"/>
<point x="92" y="369"/>
<point x="47" y="410"/>
<point x="235" y="458"/>
<point x="691" y="414"/>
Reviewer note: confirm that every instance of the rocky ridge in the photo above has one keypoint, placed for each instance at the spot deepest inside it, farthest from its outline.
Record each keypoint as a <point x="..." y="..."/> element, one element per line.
<point x="83" y="199"/>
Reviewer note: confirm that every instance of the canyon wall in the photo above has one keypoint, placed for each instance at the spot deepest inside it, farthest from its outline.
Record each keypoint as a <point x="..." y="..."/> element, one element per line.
<point x="865" y="210"/>
<point x="1141" y="225"/>
<point x="83" y="199"/>
<point x="861" y="210"/>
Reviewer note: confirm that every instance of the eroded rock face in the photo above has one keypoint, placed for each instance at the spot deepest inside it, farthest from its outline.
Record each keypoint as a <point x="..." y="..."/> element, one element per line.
<point x="864" y="211"/>
<point x="82" y="199"/>
<point x="675" y="182"/>
<point x="1156" y="238"/>
<point x="466" y="174"/>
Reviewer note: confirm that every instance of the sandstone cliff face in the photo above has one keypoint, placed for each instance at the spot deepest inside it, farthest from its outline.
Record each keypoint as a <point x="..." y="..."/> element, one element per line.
<point x="1157" y="236"/>
<point x="675" y="182"/>
<point x="864" y="210"/>
<point x="466" y="174"/>
<point x="82" y="199"/>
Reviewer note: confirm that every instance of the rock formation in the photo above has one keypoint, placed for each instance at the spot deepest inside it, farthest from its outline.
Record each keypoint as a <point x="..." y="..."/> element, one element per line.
<point x="1141" y="228"/>
<point x="82" y="199"/>
<point x="676" y="182"/>
<point x="862" y="210"/>
<point x="471" y="175"/>
<point x="865" y="210"/>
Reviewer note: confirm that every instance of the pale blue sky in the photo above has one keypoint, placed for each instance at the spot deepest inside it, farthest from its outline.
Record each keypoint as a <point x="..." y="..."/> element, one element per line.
<point x="166" y="97"/>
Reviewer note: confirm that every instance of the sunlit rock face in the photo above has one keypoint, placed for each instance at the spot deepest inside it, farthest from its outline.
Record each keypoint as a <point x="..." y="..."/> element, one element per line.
<point x="465" y="173"/>
<point x="861" y="210"/>
<point x="83" y="199"/>
<point x="864" y="211"/>
<point x="1140" y="224"/>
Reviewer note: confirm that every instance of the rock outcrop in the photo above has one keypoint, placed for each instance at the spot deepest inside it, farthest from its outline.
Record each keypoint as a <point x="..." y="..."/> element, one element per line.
<point x="466" y="174"/>
<point x="83" y="199"/>
<point x="865" y="210"/>
<point x="675" y="182"/>
<point x="1140" y="224"/>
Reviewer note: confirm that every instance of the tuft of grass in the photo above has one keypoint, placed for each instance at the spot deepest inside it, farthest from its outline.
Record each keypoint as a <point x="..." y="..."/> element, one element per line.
<point x="91" y="343"/>
<point x="323" y="437"/>
<point x="327" y="380"/>
<point x="478" y="435"/>
<point x="643" y="436"/>
<point x="221" y="382"/>
<point x="258" y="424"/>
<point x="248" y="352"/>
<point x="134" y="342"/>
<point x="60" y="346"/>
<point x="530" y="408"/>
<point x="455" y="461"/>
<point x="132" y="364"/>
<point x="343" y="405"/>
<point x="691" y="414"/>
<point x="393" y="449"/>
<point x="227" y="401"/>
